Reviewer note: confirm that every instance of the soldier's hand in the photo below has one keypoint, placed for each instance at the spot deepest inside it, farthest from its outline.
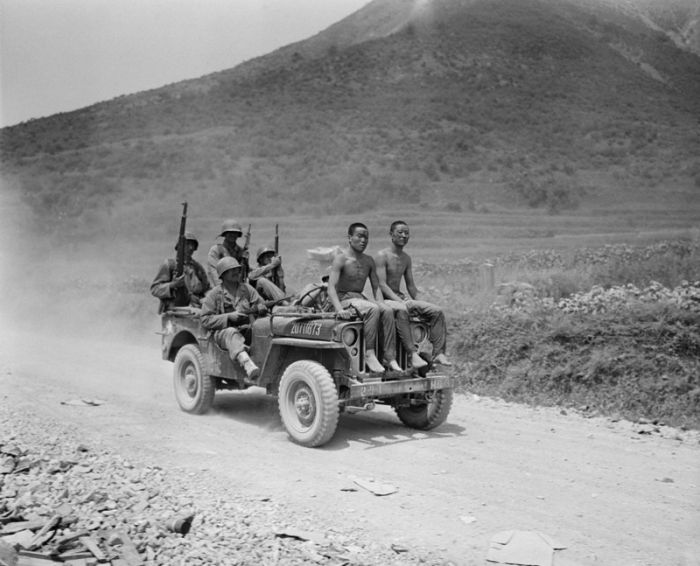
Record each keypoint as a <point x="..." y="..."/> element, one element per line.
<point x="178" y="282"/>
<point x="345" y="314"/>
<point x="262" y="310"/>
<point x="276" y="261"/>
<point x="236" y="317"/>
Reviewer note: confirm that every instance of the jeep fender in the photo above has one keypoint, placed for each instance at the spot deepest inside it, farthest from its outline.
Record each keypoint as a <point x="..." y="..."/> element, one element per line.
<point x="284" y="351"/>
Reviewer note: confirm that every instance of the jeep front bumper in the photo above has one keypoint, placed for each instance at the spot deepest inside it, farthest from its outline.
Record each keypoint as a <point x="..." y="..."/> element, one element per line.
<point x="379" y="389"/>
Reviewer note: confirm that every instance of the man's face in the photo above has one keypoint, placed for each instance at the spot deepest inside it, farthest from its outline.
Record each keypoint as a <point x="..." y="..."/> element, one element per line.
<point x="231" y="237"/>
<point x="265" y="258"/>
<point x="359" y="239"/>
<point x="190" y="247"/>
<point x="400" y="235"/>
<point x="231" y="276"/>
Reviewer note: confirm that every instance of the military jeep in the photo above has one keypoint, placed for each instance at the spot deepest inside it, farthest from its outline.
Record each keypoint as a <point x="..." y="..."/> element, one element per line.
<point x="314" y="364"/>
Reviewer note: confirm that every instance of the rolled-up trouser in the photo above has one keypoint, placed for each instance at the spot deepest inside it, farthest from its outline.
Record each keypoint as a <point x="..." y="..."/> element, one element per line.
<point x="435" y="318"/>
<point x="232" y="340"/>
<point x="268" y="289"/>
<point x="372" y="315"/>
<point x="403" y="328"/>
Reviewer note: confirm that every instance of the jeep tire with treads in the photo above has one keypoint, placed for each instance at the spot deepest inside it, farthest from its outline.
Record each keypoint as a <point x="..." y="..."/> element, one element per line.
<point x="308" y="403"/>
<point x="194" y="390"/>
<point x="431" y="414"/>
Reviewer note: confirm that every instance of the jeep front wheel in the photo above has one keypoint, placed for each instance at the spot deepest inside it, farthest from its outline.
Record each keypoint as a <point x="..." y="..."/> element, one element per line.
<point x="428" y="415"/>
<point x="194" y="390"/>
<point x="308" y="403"/>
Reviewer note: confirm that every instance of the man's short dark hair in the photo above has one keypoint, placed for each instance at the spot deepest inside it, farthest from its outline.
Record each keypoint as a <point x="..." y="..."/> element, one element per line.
<point x="354" y="226"/>
<point x="395" y="223"/>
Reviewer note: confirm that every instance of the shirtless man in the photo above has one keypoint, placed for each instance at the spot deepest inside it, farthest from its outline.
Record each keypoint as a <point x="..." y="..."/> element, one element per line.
<point x="393" y="265"/>
<point x="349" y="273"/>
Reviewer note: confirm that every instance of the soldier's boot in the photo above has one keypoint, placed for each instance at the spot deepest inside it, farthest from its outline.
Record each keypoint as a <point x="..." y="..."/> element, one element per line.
<point x="372" y="362"/>
<point x="252" y="371"/>
<point x="417" y="361"/>
<point x="393" y="365"/>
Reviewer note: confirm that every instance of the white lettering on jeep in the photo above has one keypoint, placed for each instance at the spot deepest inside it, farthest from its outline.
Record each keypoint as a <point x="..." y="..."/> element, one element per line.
<point x="307" y="328"/>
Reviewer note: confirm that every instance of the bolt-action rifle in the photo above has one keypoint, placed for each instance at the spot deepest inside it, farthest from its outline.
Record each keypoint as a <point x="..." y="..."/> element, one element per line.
<point x="276" y="272"/>
<point x="182" y="295"/>
<point x="245" y="265"/>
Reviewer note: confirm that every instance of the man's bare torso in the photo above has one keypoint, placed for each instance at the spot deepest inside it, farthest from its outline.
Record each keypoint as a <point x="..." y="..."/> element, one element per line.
<point x="354" y="273"/>
<point x="396" y="266"/>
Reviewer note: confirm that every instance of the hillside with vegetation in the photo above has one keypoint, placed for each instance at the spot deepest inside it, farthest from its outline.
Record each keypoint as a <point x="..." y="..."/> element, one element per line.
<point x="450" y="105"/>
<point x="529" y="134"/>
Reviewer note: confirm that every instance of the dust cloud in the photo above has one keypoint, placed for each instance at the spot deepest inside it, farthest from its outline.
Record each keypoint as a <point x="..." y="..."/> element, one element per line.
<point x="57" y="286"/>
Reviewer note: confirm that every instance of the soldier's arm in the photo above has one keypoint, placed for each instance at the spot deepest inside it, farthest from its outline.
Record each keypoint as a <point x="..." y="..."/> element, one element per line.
<point x="161" y="287"/>
<point x="211" y="319"/>
<point x="408" y="278"/>
<point x="212" y="257"/>
<point x="203" y="277"/>
<point x="260" y="271"/>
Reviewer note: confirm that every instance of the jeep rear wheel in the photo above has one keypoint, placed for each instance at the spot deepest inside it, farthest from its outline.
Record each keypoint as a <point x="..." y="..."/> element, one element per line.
<point x="428" y="415"/>
<point x="308" y="403"/>
<point x="194" y="391"/>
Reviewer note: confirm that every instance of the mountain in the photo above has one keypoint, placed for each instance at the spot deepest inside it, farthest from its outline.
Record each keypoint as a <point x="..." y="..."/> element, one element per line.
<point x="455" y="104"/>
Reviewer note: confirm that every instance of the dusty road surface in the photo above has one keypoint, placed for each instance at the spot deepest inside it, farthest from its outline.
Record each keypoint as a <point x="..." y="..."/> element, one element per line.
<point x="613" y="493"/>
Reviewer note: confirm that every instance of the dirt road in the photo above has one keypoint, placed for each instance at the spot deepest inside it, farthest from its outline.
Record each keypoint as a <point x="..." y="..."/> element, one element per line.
<point x="614" y="493"/>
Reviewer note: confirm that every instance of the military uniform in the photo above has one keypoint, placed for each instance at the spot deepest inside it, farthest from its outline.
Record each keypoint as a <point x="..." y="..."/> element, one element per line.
<point x="218" y="251"/>
<point x="215" y="309"/>
<point x="196" y="282"/>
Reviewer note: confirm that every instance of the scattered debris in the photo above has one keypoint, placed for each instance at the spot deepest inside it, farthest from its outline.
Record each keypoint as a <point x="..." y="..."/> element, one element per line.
<point x="84" y="402"/>
<point x="374" y="487"/>
<point x="526" y="548"/>
<point x="181" y="524"/>
<point x="315" y="537"/>
<point x="467" y="519"/>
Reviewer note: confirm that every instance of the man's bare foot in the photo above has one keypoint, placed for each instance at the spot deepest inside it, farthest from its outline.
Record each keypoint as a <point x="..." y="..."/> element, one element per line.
<point x="417" y="361"/>
<point x="442" y="360"/>
<point x="372" y="362"/>
<point x="394" y="366"/>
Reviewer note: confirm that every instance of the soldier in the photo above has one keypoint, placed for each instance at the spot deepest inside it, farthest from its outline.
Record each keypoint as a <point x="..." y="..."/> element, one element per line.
<point x="269" y="269"/>
<point x="230" y="231"/>
<point x="227" y="306"/>
<point x="166" y="286"/>
<point x="393" y="265"/>
<point x="349" y="273"/>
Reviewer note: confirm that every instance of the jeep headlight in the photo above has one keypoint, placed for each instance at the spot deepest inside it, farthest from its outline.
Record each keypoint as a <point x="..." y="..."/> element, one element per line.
<point x="419" y="333"/>
<point x="349" y="336"/>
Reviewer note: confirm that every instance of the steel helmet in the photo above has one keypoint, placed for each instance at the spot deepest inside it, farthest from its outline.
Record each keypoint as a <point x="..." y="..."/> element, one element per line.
<point x="231" y="225"/>
<point x="264" y="250"/>
<point x="190" y="237"/>
<point x="226" y="263"/>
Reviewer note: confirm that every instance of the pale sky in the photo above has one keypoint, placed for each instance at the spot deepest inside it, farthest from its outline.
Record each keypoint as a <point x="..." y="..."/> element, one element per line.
<point x="59" y="55"/>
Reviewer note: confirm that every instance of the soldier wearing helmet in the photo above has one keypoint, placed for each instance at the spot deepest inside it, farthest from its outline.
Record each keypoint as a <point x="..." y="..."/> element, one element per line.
<point x="268" y="277"/>
<point x="194" y="279"/>
<point x="229" y="305"/>
<point x="230" y="232"/>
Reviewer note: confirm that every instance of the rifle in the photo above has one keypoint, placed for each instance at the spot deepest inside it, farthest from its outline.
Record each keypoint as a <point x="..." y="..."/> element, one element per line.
<point x="245" y="266"/>
<point x="275" y="274"/>
<point x="182" y="295"/>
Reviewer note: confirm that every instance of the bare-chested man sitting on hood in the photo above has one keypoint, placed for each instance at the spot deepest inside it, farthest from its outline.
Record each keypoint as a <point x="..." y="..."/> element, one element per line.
<point x="349" y="273"/>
